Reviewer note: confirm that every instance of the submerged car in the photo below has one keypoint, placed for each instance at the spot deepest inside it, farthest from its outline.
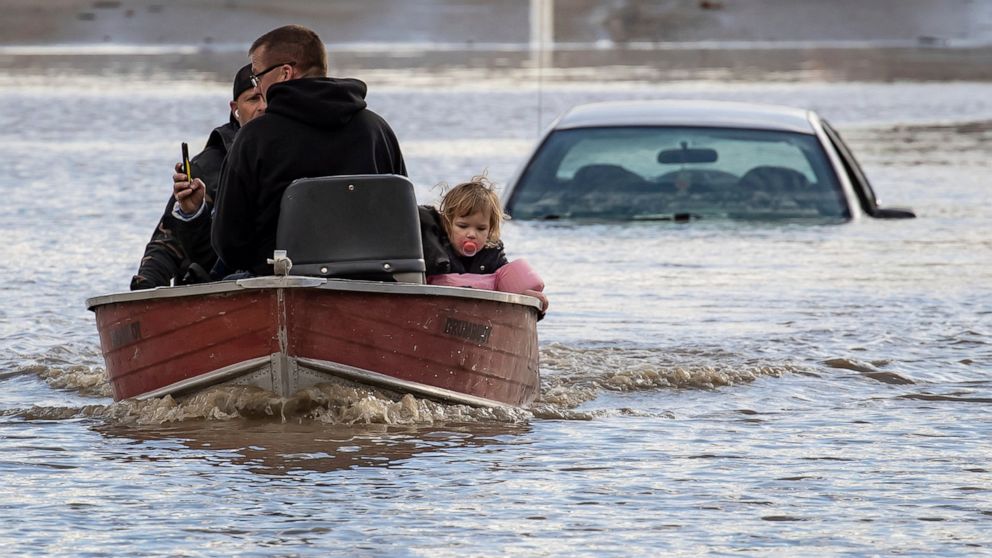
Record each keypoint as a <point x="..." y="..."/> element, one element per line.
<point x="685" y="160"/>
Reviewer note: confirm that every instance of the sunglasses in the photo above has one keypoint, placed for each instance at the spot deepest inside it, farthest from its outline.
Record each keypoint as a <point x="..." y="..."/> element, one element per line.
<point x="257" y="78"/>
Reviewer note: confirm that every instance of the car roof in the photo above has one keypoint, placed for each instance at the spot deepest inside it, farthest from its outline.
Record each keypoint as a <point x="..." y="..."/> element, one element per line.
<point x="723" y="114"/>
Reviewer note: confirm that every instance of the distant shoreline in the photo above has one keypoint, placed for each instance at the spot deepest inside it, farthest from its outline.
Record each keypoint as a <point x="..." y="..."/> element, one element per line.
<point x="816" y="62"/>
<point x="644" y="40"/>
<point x="195" y="22"/>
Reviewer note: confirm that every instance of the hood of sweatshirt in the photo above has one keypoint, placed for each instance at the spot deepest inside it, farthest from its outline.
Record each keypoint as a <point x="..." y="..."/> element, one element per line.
<point x="320" y="102"/>
<point x="223" y="136"/>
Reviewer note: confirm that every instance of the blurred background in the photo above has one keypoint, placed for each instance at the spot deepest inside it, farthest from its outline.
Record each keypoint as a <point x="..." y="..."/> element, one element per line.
<point x="739" y="39"/>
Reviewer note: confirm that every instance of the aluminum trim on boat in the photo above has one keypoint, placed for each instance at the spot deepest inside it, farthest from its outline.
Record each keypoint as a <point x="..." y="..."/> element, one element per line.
<point x="298" y="282"/>
<point x="368" y="377"/>
<point x="209" y="378"/>
<point x="217" y="287"/>
<point x="429" y="290"/>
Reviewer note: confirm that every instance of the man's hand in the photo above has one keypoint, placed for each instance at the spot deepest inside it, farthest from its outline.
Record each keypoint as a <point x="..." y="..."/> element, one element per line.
<point x="188" y="194"/>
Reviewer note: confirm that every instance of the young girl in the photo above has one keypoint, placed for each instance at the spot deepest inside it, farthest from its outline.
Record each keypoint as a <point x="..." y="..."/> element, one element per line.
<point x="463" y="238"/>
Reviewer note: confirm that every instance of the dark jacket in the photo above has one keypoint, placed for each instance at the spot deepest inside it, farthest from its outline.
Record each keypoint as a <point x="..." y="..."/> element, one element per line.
<point x="174" y="244"/>
<point x="311" y="127"/>
<point x="441" y="257"/>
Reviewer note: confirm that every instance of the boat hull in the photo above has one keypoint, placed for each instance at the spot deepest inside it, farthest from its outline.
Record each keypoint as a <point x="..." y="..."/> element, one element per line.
<point x="284" y="334"/>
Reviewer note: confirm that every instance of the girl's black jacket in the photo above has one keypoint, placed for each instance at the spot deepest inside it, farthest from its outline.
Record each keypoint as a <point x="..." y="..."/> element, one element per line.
<point x="440" y="255"/>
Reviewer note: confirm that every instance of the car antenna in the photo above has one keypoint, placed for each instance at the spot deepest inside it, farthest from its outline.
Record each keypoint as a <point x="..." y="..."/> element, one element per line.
<point x="541" y="30"/>
<point x="540" y="98"/>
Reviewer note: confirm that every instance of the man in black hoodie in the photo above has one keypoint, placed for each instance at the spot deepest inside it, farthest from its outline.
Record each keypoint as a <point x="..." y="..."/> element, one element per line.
<point x="313" y="126"/>
<point x="179" y="251"/>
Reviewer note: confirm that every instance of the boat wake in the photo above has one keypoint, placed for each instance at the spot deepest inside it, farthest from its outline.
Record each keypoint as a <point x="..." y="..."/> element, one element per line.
<point x="869" y="370"/>
<point x="324" y="403"/>
<point x="571" y="377"/>
<point x="87" y="381"/>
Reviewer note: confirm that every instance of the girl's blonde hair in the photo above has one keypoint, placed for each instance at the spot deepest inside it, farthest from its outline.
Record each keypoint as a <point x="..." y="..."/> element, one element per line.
<point x="478" y="194"/>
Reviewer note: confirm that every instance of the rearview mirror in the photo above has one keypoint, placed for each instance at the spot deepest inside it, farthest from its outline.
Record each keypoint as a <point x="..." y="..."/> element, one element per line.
<point x="687" y="155"/>
<point x="893" y="213"/>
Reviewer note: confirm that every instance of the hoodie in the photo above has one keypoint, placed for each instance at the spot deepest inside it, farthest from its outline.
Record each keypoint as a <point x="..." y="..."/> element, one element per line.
<point x="311" y="127"/>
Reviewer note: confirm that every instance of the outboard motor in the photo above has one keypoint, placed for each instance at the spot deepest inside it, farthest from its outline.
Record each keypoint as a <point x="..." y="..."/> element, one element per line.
<point x="354" y="226"/>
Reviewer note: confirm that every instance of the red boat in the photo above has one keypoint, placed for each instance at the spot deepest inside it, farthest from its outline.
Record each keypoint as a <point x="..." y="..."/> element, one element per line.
<point x="287" y="332"/>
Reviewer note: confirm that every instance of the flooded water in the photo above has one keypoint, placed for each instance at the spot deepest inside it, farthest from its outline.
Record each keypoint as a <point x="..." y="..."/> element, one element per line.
<point x="720" y="389"/>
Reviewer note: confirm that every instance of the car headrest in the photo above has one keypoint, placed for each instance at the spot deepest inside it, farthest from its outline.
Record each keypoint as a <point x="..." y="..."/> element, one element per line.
<point x="605" y="174"/>
<point x="774" y="179"/>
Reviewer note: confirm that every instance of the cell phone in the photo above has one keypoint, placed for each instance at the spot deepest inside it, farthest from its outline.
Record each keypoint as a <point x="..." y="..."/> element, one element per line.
<point x="186" y="166"/>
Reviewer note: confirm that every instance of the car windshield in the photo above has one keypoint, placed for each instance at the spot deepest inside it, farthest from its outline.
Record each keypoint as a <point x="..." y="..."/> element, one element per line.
<point x="678" y="173"/>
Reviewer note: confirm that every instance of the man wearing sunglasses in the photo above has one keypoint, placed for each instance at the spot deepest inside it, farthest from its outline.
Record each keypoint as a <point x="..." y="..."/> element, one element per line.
<point x="313" y="126"/>
<point x="179" y="252"/>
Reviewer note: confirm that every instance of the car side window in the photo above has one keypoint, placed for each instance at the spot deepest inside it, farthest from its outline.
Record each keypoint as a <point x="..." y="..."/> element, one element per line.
<point x="862" y="187"/>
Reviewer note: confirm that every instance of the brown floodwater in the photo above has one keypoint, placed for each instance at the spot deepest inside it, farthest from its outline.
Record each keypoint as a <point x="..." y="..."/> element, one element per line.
<point x="709" y="388"/>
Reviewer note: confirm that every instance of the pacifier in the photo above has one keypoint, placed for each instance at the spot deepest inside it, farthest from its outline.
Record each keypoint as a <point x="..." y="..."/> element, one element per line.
<point x="469" y="248"/>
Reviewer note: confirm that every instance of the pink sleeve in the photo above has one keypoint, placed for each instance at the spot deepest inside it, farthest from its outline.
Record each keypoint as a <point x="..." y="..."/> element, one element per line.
<point x="473" y="280"/>
<point x="518" y="276"/>
<point x="515" y="277"/>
